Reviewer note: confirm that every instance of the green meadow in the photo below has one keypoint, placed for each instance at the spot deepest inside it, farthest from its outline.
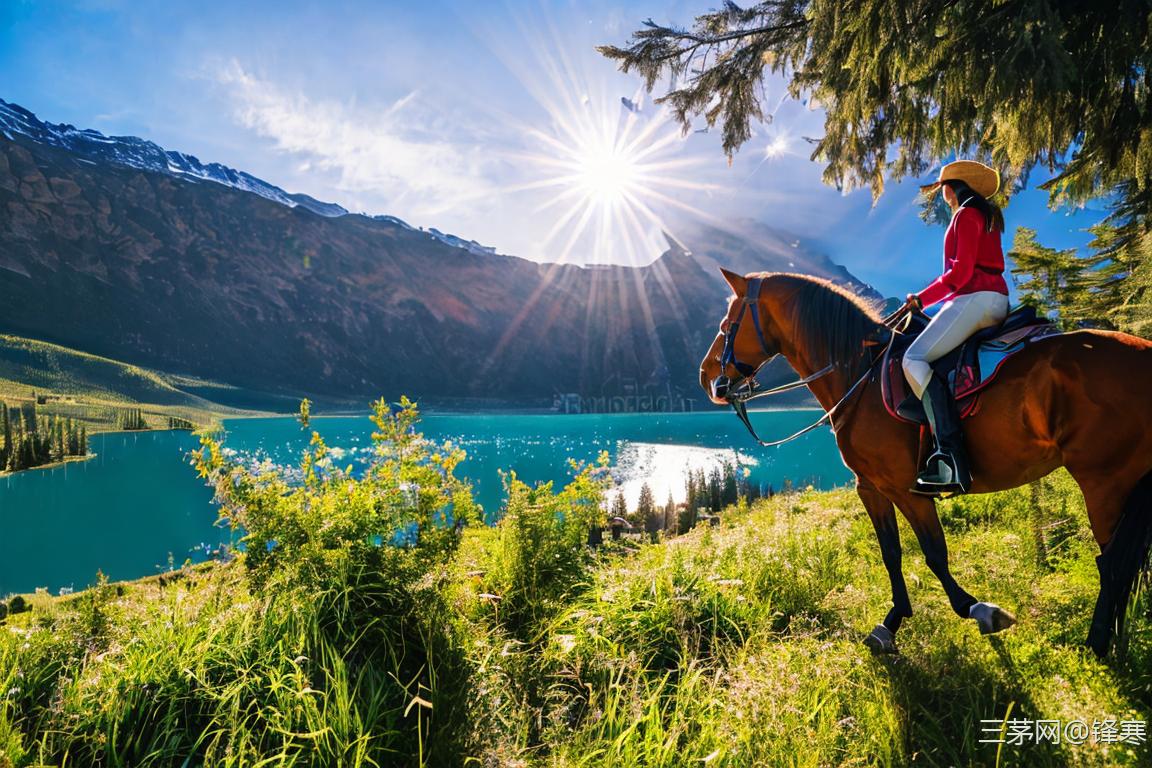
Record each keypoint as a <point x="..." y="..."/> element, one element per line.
<point x="97" y="391"/>
<point x="373" y="621"/>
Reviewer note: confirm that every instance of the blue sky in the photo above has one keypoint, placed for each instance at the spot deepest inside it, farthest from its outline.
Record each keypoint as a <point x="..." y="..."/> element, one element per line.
<point x="475" y="118"/>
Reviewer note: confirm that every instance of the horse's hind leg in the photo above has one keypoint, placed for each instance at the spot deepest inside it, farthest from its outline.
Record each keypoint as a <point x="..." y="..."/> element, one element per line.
<point x="921" y="514"/>
<point x="1122" y="526"/>
<point x="1103" y="512"/>
<point x="883" y="516"/>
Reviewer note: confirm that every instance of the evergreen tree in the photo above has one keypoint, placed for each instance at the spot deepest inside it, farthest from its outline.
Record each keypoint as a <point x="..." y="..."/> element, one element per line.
<point x="691" y="490"/>
<point x="670" y="513"/>
<point x="1052" y="83"/>
<point x="686" y="520"/>
<point x="59" y="445"/>
<point x="42" y="445"/>
<point x="27" y="451"/>
<point x="751" y="490"/>
<point x="1058" y="283"/>
<point x="1061" y="84"/>
<point x="715" y="490"/>
<point x="619" y="506"/>
<point x="1124" y="244"/>
<point x="28" y="412"/>
<point x="647" y="512"/>
<point x="24" y="449"/>
<point x="6" y="433"/>
<point x="729" y="493"/>
<point x="13" y="443"/>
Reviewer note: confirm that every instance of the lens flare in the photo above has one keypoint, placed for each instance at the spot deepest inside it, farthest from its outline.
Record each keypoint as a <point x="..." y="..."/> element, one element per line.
<point x="606" y="170"/>
<point x="613" y="166"/>
<point x="777" y="146"/>
<point x="606" y="174"/>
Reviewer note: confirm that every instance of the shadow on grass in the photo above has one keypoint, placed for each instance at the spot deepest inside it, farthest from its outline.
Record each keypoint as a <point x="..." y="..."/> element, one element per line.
<point x="949" y="697"/>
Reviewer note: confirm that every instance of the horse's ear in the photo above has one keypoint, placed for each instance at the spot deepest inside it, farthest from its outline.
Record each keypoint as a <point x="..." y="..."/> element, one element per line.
<point x="738" y="282"/>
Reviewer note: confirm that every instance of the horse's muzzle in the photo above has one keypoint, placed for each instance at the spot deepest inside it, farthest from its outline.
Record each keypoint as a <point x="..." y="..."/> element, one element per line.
<point x="721" y="386"/>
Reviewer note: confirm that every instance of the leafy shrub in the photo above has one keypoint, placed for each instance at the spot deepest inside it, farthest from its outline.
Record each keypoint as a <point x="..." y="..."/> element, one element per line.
<point x="353" y="566"/>
<point x="541" y="553"/>
<point x="399" y="519"/>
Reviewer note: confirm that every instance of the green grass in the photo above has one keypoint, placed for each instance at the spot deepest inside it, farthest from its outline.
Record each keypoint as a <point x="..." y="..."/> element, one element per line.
<point x="736" y="646"/>
<point x="93" y="389"/>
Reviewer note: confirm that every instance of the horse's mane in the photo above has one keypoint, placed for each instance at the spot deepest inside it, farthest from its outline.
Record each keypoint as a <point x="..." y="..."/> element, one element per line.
<point x="833" y="320"/>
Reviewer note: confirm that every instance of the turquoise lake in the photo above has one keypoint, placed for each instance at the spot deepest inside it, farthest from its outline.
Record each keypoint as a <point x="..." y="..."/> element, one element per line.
<point x="138" y="505"/>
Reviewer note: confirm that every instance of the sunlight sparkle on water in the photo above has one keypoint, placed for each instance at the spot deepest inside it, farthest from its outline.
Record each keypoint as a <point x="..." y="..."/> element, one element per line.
<point x="665" y="467"/>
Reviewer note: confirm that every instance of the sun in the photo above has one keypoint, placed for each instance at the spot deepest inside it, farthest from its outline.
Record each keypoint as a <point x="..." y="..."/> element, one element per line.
<point x="606" y="179"/>
<point x="614" y="170"/>
<point x="777" y="146"/>
<point x="613" y="177"/>
<point x="607" y="174"/>
<point x="592" y="159"/>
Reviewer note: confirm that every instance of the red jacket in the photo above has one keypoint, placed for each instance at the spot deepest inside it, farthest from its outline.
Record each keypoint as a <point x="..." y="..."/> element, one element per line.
<point x="973" y="260"/>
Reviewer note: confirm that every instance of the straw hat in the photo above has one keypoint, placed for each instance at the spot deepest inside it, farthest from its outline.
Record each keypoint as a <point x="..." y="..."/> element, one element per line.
<point x="983" y="180"/>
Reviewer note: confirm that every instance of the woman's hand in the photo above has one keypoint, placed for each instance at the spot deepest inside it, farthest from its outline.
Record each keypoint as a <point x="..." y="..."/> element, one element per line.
<point x="912" y="302"/>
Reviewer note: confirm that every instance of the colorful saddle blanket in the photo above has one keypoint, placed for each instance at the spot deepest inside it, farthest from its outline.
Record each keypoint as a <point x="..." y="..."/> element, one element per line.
<point x="968" y="369"/>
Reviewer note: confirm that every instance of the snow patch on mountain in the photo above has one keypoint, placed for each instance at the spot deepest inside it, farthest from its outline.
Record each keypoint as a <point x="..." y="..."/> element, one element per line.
<point x="91" y="146"/>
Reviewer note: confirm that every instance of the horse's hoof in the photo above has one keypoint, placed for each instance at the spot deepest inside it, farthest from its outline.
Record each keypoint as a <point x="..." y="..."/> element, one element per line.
<point x="1099" y="650"/>
<point x="991" y="618"/>
<point x="881" y="640"/>
<point x="1099" y="638"/>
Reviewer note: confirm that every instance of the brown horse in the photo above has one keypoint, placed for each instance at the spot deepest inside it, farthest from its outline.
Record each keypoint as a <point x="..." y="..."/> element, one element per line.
<point x="1081" y="400"/>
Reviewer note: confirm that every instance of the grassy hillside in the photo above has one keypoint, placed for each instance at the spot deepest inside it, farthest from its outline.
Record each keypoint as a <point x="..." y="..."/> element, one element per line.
<point x="730" y="646"/>
<point x="93" y="389"/>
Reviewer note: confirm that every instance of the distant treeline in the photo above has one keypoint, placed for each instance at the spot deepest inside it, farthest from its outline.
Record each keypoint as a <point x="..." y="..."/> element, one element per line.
<point x="132" y="418"/>
<point x="31" y="441"/>
<point x="706" y="493"/>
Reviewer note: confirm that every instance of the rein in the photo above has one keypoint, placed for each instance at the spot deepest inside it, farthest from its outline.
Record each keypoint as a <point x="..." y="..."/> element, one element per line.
<point x="739" y="395"/>
<point x="740" y="402"/>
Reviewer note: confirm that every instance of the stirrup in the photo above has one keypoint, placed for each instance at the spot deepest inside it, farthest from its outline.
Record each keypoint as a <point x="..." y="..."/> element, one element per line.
<point x="941" y="476"/>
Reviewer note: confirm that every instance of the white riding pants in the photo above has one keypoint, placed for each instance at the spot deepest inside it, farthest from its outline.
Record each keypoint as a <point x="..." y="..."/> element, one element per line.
<point x="957" y="319"/>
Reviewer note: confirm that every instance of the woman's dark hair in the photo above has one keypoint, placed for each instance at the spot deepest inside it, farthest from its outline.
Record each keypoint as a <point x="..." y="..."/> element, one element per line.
<point x="967" y="197"/>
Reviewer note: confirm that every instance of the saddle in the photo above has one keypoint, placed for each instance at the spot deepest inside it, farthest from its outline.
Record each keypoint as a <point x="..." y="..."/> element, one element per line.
<point x="968" y="369"/>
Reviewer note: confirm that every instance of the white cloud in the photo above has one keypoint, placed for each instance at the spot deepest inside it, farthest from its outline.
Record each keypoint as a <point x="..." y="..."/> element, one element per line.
<point x="387" y="154"/>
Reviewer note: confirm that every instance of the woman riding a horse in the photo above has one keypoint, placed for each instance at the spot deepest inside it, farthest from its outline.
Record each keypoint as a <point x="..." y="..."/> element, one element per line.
<point x="974" y="296"/>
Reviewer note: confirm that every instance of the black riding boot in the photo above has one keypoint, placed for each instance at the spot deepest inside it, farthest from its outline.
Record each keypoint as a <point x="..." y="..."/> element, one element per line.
<point x="946" y="470"/>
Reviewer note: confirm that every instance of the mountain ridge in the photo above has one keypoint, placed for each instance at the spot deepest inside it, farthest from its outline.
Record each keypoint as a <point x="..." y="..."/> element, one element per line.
<point x="219" y="281"/>
<point x="135" y="152"/>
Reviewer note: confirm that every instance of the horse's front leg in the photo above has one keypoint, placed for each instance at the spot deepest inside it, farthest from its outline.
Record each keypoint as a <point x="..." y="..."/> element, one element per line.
<point x="883" y="515"/>
<point x="920" y="511"/>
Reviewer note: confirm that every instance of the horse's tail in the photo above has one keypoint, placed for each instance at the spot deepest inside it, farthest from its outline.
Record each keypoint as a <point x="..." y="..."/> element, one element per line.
<point x="1128" y="549"/>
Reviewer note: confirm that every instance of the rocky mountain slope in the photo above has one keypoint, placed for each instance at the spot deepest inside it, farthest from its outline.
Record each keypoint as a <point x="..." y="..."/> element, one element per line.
<point x="119" y="248"/>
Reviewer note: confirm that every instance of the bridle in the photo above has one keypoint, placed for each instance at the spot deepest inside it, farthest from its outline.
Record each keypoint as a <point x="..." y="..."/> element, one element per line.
<point x="739" y="392"/>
